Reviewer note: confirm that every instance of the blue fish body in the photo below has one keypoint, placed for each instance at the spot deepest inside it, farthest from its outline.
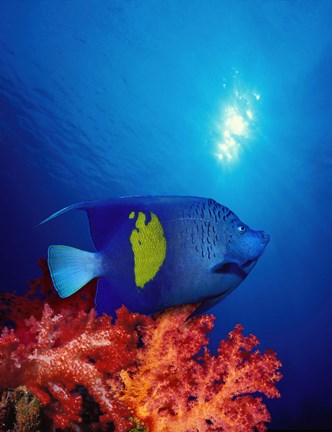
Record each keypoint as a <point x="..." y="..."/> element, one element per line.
<point x="158" y="252"/>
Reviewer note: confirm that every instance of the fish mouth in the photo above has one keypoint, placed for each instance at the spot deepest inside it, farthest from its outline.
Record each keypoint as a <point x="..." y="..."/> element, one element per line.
<point x="265" y="238"/>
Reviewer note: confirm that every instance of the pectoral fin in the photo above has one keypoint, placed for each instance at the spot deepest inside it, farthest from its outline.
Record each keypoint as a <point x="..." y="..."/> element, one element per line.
<point x="226" y="262"/>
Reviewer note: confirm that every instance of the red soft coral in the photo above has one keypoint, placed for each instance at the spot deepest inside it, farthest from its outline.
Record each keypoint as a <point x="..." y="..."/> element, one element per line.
<point x="157" y="370"/>
<point x="70" y="350"/>
<point x="62" y="347"/>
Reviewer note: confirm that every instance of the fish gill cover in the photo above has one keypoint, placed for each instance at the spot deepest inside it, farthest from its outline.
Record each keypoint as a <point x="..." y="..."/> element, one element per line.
<point x="74" y="370"/>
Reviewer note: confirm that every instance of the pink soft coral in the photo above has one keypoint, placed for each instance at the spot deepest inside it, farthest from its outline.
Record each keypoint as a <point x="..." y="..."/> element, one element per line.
<point x="156" y="371"/>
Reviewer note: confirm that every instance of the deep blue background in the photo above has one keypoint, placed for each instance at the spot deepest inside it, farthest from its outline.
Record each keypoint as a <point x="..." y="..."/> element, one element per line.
<point x="112" y="98"/>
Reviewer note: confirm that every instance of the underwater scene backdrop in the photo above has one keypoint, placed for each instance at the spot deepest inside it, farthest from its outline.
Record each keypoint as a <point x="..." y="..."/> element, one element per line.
<point x="229" y="100"/>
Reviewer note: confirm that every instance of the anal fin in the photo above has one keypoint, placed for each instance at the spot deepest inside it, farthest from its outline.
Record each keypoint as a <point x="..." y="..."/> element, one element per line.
<point x="206" y="305"/>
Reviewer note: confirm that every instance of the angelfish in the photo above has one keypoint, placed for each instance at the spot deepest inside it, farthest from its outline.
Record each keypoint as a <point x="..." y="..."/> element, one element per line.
<point x="155" y="252"/>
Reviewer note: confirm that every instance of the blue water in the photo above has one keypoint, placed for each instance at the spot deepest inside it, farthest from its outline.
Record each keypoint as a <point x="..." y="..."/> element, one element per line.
<point x="224" y="99"/>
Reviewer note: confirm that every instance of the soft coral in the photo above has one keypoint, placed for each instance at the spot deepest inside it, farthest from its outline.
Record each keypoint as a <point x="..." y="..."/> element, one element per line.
<point x="176" y="389"/>
<point x="154" y="370"/>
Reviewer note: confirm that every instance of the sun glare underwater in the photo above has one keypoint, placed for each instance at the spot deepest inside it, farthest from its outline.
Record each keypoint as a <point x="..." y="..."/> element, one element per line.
<point x="229" y="100"/>
<point x="235" y="128"/>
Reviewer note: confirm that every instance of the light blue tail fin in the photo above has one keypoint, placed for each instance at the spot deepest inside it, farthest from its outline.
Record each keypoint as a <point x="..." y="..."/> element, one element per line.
<point x="71" y="268"/>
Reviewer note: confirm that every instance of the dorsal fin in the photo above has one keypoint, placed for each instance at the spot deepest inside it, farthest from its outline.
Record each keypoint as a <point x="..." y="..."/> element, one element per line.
<point x="105" y="217"/>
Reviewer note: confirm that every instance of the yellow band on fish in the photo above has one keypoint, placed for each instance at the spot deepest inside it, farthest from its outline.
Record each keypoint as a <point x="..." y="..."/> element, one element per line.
<point x="149" y="247"/>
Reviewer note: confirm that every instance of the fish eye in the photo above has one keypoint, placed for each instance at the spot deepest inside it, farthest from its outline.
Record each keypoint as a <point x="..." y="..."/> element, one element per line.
<point x="242" y="229"/>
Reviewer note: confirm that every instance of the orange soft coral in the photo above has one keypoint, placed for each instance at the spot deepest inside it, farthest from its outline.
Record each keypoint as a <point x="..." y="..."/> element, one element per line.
<point x="157" y="370"/>
<point x="174" y="389"/>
